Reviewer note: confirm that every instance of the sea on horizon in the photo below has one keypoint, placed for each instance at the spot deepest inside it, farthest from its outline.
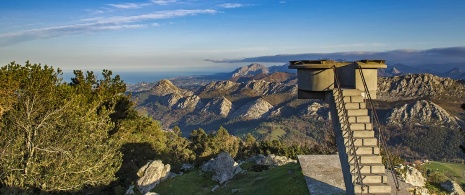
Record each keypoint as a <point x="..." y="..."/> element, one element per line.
<point x="150" y="76"/>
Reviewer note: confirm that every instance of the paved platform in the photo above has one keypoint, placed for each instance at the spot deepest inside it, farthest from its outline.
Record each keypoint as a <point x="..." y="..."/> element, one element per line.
<point x="323" y="174"/>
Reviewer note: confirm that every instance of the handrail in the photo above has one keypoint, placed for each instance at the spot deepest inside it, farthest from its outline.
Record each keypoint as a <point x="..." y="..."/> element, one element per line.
<point x="382" y="139"/>
<point x="345" y="117"/>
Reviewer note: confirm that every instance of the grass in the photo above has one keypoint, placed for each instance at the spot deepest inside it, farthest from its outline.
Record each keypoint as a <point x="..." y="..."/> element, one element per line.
<point x="455" y="171"/>
<point x="287" y="179"/>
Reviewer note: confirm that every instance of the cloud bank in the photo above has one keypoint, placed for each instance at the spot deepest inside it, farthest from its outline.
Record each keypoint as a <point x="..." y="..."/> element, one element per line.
<point x="455" y="55"/>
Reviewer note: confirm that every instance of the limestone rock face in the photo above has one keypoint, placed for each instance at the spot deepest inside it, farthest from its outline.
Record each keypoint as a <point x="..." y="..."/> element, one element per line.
<point x="152" y="174"/>
<point x="273" y="160"/>
<point x="422" y="112"/>
<point x="453" y="187"/>
<point x="252" y="69"/>
<point x="219" y="105"/>
<point x="253" y="110"/>
<point x="223" y="167"/>
<point x="170" y="99"/>
<point x="165" y="87"/>
<point x="317" y="110"/>
<point x="191" y="102"/>
<point x="414" y="177"/>
<point x="415" y="86"/>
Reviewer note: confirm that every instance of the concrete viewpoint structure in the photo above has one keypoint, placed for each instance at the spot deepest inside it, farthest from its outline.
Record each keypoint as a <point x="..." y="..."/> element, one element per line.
<point x="316" y="77"/>
<point x="358" y="148"/>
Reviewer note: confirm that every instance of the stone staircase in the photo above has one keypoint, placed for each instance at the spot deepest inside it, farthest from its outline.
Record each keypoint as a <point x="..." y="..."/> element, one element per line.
<point x="372" y="171"/>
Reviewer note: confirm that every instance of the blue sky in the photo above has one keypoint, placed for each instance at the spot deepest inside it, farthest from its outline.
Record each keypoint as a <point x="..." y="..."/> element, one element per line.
<point x="179" y="35"/>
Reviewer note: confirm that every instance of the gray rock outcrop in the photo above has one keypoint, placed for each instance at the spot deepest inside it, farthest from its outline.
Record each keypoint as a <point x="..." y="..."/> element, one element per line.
<point x="273" y="160"/>
<point x="223" y="167"/>
<point x="317" y="110"/>
<point x="253" y="110"/>
<point x="421" y="112"/>
<point x="218" y="105"/>
<point x="152" y="174"/>
<point x="189" y="103"/>
<point x="453" y="188"/>
<point x="414" y="177"/>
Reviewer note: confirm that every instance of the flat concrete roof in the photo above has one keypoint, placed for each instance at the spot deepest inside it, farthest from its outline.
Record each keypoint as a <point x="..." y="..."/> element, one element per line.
<point x="328" y="63"/>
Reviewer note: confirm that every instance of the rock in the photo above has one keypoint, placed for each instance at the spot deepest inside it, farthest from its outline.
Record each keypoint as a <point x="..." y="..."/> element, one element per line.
<point x="187" y="167"/>
<point x="130" y="190"/>
<point x="453" y="187"/>
<point x="223" y="167"/>
<point x="273" y="160"/>
<point x="420" y="113"/>
<point x="235" y="191"/>
<point x="170" y="99"/>
<point x="189" y="103"/>
<point x="151" y="193"/>
<point x="261" y="88"/>
<point x="152" y="174"/>
<point x="218" y="105"/>
<point x="253" y="110"/>
<point x="414" y="177"/>
<point x="317" y="110"/>
<point x="215" y="187"/>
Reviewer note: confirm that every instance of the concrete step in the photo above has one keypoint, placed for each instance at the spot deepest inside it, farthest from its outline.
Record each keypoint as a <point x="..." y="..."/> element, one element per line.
<point x="371" y="178"/>
<point x="361" y="126"/>
<point x="366" y="150"/>
<point x="375" y="168"/>
<point x="373" y="188"/>
<point x="362" y="141"/>
<point x="367" y="159"/>
<point x="351" y="92"/>
<point x="357" y="112"/>
<point x="359" y="119"/>
<point x="353" y="99"/>
<point x="355" y="105"/>
<point x="360" y="134"/>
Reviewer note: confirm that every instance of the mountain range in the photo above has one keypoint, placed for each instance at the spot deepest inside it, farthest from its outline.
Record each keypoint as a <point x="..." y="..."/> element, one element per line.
<point x="255" y="99"/>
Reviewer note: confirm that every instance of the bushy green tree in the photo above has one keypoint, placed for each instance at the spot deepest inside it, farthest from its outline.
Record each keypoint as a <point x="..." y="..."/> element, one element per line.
<point x="55" y="137"/>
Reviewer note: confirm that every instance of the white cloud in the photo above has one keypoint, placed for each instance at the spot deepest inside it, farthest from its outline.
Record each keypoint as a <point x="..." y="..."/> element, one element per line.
<point x="129" y="5"/>
<point x="163" y="2"/>
<point x="97" y="24"/>
<point x="231" y="5"/>
<point x="282" y="1"/>
<point x="155" y="24"/>
<point x="155" y="16"/>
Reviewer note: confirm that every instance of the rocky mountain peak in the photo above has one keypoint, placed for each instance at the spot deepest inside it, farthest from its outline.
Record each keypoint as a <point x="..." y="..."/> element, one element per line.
<point x="166" y="87"/>
<point x="421" y="113"/>
<point x="252" y="69"/>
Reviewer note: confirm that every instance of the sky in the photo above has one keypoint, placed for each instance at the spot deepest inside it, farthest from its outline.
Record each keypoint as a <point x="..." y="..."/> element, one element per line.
<point x="218" y="36"/>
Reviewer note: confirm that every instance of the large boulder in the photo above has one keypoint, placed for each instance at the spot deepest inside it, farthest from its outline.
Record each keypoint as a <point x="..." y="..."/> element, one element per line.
<point x="152" y="174"/>
<point x="414" y="177"/>
<point x="453" y="188"/>
<point x="273" y="160"/>
<point x="223" y="167"/>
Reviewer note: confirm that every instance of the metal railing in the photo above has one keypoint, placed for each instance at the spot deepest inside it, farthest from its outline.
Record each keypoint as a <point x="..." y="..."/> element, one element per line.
<point x="381" y="138"/>
<point x="339" y="100"/>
